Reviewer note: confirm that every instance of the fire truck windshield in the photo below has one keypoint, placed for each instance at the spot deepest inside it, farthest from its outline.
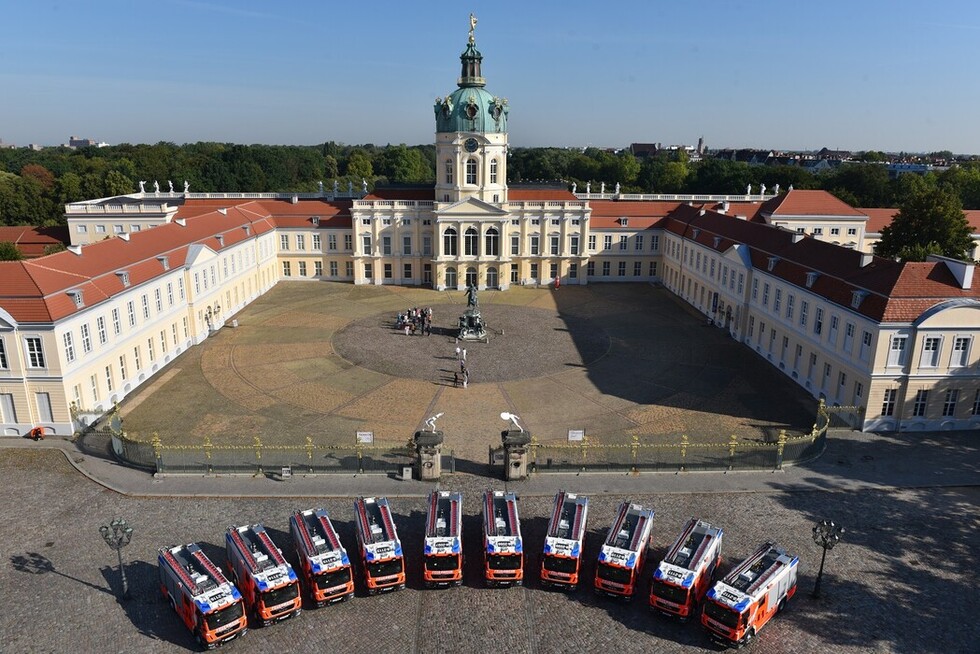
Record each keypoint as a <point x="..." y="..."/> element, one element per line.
<point x="280" y="595"/>
<point x="330" y="579"/>
<point x="723" y="615"/>
<point x="504" y="561"/>
<point x="670" y="592"/>
<point x="560" y="564"/>
<point x="446" y="562"/>
<point x="218" y="619"/>
<point x="614" y="574"/>
<point x="385" y="568"/>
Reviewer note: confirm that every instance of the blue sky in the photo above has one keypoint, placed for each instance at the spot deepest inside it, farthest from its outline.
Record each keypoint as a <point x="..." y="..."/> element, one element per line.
<point x="855" y="74"/>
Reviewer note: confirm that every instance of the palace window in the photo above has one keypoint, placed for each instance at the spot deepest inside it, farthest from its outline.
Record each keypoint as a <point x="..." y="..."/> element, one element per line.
<point x="919" y="406"/>
<point x="450" y="243"/>
<point x="493" y="171"/>
<point x="449" y="171"/>
<point x="471" y="171"/>
<point x="492" y="242"/>
<point x="949" y="404"/>
<point x="471" y="240"/>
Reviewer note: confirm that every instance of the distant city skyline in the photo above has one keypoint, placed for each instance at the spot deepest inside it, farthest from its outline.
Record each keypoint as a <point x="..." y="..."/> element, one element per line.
<point x="874" y="75"/>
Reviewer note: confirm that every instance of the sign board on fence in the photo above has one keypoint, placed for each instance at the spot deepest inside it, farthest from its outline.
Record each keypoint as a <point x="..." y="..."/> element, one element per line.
<point x="287" y="472"/>
<point x="576" y="435"/>
<point x="366" y="437"/>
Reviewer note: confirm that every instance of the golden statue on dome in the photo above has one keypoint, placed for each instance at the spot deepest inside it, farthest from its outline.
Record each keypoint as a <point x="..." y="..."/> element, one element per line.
<point x="472" y="27"/>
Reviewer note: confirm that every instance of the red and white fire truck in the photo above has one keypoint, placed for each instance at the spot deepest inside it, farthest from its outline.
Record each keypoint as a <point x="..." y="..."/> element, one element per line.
<point x="381" y="551"/>
<point x="442" y="556"/>
<point x="503" y="548"/>
<point x="266" y="579"/>
<point x="561" y="562"/>
<point x="684" y="576"/>
<point x="207" y="603"/>
<point x="323" y="562"/>
<point x="621" y="558"/>
<point x="750" y="595"/>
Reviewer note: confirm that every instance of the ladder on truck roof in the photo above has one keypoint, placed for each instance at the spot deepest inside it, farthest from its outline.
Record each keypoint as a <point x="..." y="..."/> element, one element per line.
<point x="184" y="575"/>
<point x="213" y="571"/>
<point x="328" y="531"/>
<point x="380" y="515"/>
<point x="257" y="536"/>
<point x="690" y="545"/>
<point x="442" y="503"/>
<point x="501" y="515"/>
<point x="756" y="569"/>
<point x="561" y="526"/>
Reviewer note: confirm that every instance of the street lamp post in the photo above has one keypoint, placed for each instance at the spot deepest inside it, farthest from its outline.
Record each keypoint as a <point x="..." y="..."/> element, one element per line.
<point x="117" y="535"/>
<point x="826" y="534"/>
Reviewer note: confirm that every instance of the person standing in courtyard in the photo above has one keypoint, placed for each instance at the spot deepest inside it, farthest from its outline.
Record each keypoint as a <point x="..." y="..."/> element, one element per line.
<point x="464" y="355"/>
<point x="455" y="379"/>
<point x="458" y="355"/>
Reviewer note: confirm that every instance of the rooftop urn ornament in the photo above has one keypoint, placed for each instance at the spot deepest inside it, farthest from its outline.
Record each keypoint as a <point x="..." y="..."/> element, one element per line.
<point x="430" y="423"/>
<point x="513" y="418"/>
<point x="142" y="186"/>
<point x="826" y="534"/>
<point x="117" y="535"/>
<point x="473" y="22"/>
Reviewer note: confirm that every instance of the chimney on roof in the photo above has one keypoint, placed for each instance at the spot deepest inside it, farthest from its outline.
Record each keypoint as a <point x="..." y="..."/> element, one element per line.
<point x="702" y="212"/>
<point x="798" y="236"/>
<point x="725" y="206"/>
<point x="223" y="211"/>
<point x="181" y="221"/>
<point x="962" y="270"/>
<point x="75" y="249"/>
<point x="866" y="259"/>
<point x="294" y="199"/>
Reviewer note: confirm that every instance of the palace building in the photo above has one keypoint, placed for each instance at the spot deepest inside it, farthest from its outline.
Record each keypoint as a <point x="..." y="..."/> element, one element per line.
<point x="151" y="274"/>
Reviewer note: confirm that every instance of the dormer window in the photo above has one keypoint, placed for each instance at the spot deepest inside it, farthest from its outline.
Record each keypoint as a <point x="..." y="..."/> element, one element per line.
<point x="624" y="221"/>
<point x="165" y="262"/>
<point x="248" y="230"/>
<point x="695" y="233"/>
<point x="124" y="278"/>
<point x="77" y="297"/>
<point x="772" y="263"/>
<point x="857" y="297"/>
<point x="221" y="240"/>
<point x="810" y="278"/>
<point x="717" y="242"/>
<point x="315" y="220"/>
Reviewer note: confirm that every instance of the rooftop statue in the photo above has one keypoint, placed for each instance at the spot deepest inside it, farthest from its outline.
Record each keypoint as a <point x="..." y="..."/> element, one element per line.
<point x="187" y="186"/>
<point x="472" y="28"/>
<point x="143" y="186"/>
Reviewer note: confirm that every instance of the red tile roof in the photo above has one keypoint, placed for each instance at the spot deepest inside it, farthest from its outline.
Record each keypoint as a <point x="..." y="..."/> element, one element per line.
<point x="31" y="241"/>
<point x="395" y="193"/>
<point x="878" y="218"/>
<point x="808" y="203"/>
<point x="540" y="194"/>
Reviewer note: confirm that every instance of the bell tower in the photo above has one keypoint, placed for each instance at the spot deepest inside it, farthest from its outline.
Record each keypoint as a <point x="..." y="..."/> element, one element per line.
<point x="471" y="136"/>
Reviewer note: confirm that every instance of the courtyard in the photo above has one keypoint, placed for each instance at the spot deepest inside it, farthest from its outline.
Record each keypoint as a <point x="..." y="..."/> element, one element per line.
<point x="323" y="360"/>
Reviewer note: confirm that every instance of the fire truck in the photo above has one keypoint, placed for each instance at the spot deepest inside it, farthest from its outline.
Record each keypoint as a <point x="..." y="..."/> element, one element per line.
<point x="324" y="564"/>
<point x="503" y="548"/>
<point x="684" y="576"/>
<point x="381" y="551"/>
<point x="442" y="556"/>
<point x="752" y="593"/>
<point x="563" y="544"/>
<point x="208" y="604"/>
<point x="267" y="581"/>
<point x="621" y="557"/>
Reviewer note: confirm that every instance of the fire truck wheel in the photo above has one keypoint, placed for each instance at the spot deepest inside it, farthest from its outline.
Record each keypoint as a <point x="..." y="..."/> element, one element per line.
<point x="781" y="605"/>
<point x="749" y="635"/>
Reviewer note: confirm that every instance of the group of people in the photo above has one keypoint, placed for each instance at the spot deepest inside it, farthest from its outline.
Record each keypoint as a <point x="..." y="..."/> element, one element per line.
<point x="415" y="321"/>
<point x="463" y="376"/>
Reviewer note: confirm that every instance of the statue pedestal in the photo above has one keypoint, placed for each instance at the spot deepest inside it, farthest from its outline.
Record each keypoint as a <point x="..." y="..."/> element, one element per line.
<point x="428" y="448"/>
<point x="472" y="327"/>
<point x="515" y="453"/>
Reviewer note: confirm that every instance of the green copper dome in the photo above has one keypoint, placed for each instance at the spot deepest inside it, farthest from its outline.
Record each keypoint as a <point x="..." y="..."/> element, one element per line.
<point x="471" y="108"/>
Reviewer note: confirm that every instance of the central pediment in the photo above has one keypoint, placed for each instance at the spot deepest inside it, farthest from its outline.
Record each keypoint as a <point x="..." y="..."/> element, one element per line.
<point x="471" y="208"/>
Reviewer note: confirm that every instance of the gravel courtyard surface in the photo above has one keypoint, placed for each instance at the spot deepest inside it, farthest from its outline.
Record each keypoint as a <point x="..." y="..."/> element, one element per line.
<point x="524" y="342"/>
<point x="900" y="581"/>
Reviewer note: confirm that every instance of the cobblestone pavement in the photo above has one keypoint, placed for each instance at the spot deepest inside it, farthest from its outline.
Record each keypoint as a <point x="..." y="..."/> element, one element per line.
<point x="900" y="581"/>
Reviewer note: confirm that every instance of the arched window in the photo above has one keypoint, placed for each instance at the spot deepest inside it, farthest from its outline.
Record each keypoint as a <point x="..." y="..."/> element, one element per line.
<point x="492" y="280"/>
<point x="492" y="248"/>
<point x="471" y="242"/>
<point x="450" y="242"/>
<point x="493" y="171"/>
<point x="471" y="171"/>
<point x="451" y="278"/>
<point x="449" y="171"/>
<point x="471" y="276"/>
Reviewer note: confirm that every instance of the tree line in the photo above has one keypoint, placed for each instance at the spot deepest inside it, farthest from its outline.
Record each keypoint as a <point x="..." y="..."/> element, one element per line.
<point x="35" y="185"/>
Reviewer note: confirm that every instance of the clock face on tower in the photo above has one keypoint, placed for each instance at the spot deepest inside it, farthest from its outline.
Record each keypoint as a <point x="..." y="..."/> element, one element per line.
<point x="471" y="145"/>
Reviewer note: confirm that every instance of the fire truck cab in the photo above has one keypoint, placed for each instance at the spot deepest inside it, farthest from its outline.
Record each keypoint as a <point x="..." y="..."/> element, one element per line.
<point x="684" y="576"/>
<point x="562" y="558"/>
<point x="503" y="548"/>
<point x="267" y="581"/>
<point x="621" y="558"/>
<point x="381" y="551"/>
<point x="442" y="555"/>
<point x="753" y="592"/>
<point x="323" y="562"/>
<point x="207" y="603"/>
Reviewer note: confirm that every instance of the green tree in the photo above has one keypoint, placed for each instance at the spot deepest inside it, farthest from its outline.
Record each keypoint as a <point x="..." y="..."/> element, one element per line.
<point x="929" y="220"/>
<point x="359" y="166"/>
<point x="9" y="252"/>
<point x="399" y="163"/>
